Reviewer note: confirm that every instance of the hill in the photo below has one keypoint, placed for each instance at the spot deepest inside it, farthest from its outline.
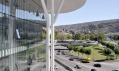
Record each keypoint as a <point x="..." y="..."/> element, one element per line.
<point x="107" y="26"/>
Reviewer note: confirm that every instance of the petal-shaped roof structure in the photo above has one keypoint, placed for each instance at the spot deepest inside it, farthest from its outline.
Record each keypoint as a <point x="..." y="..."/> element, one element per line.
<point x="35" y="5"/>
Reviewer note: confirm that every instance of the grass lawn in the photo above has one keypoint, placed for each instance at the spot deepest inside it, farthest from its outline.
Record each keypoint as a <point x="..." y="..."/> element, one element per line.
<point x="96" y="53"/>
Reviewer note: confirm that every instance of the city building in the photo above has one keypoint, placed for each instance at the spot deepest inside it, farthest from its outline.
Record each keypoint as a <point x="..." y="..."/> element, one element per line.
<point x="22" y="42"/>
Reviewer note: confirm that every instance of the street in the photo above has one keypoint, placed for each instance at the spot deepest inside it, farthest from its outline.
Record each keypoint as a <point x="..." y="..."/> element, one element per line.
<point x="60" y="68"/>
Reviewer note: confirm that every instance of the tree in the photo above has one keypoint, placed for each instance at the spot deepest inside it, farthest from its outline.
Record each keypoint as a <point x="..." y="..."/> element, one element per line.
<point x="93" y="36"/>
<point x="88" y="51"/>
<point x="116" y="50"/>
<point x="77" y="36"/>
<point x="82" y="50"/>
<point x="56" y="33"/>
<point x="107" y="52"/>
<point x="61" y="36"/>
<point x="101" y="36"/>
<point x="72" y="32"/>
<point x="114" y="37"/>
<point x="75" y="49"/>
<point x="69" y="36"/>
<point x="69" y="47"/>
<point x="87" y="36"/>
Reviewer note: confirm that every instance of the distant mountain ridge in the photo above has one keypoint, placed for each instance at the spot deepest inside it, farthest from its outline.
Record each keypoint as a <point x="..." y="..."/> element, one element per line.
<point x="107" y="26"/>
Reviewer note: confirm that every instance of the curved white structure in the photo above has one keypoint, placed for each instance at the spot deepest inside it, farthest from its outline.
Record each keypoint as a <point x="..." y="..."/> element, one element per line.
<point x="35" y="5"/>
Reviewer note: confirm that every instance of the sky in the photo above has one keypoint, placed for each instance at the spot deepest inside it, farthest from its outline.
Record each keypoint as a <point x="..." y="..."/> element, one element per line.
<point x="93" y="10"/>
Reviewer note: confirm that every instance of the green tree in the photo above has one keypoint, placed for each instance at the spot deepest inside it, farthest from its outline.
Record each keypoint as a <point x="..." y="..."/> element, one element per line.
<point x="56" y="33"/>
<point x="72" y="32"/>
<point x="88" y="51"/>
<point x="93" y="36"/>
<point x="69" y="36"/>
<point x="69" y="47"/>
<point x="107" y="52"/>
<point x="101" y="36"/>
<point x="75" y="49"/>
<point x="61" y="36"/>
<point x="82" y="38"/>
<point x="82" y="51"/>
<point x="116" y="50"/>
<point x="87" y="36"/>
<point x="77" y="36"/>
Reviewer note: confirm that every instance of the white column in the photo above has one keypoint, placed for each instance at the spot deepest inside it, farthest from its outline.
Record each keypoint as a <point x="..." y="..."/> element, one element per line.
<point x="58" y="10"/>
<point x="47" y="36"/>
<point x="52" y="35"/>
<point x="10" y="34"/>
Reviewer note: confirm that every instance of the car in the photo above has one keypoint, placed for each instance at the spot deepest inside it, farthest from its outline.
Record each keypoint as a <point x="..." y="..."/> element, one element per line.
<point x="86" y="60"/>
<point x="97" y="65"/>
<point x="56" y="67"/>
<point x="77" y="67"/>
<point x="93" y="70"/>
<point x="115" y="70"/>
<point x="71" y="59"/>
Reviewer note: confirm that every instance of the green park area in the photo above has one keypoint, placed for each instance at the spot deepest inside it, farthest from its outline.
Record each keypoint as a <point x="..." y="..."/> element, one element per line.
<point x="95" y="52"/>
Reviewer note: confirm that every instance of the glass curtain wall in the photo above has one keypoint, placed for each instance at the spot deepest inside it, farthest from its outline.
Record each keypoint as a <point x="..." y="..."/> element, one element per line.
<point x="28" y="49"/>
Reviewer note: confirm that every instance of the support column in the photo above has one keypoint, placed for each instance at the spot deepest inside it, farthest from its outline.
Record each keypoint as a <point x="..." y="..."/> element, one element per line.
<point x="10" y="35"/>
<point x="47" y="36"/>
<point x="52" y="35"/>
<point x="50" y="28"/>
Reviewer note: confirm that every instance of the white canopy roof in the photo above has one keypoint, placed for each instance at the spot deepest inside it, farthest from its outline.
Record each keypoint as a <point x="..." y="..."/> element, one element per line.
<point x="35" y="5"/>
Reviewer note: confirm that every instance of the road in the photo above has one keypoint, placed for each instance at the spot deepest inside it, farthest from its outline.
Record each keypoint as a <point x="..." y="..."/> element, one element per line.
<point x="72" y="64"/>
<point x="41" y="67"/>
<point x="60" y="68"/>
<point x="106" y="66"/>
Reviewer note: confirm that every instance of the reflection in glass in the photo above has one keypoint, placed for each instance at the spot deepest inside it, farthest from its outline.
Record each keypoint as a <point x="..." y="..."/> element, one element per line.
<point x="28" y="43"/>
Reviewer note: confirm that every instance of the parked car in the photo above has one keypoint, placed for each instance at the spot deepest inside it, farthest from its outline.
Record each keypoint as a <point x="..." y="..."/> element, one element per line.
<point x="56" y="67"/>
<point x="71" y="59"/>
<point x="97" y="65"/>
<point x="93" y="70"/>
<point x="77" y="67"/>
<point x="115" y="70"/>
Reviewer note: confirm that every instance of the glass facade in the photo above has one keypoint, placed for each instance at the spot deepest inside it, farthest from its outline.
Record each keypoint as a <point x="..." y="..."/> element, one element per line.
<point x="24" y="48"/>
